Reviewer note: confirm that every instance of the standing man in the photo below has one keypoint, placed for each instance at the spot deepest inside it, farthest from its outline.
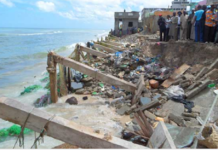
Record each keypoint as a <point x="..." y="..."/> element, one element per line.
<point x="168" y="24"/>
<point x="184" y="26"/>
<point x="179" y="24"/>
<point x="203" y="19"/>
<point x="198" y="25"/>
<point x="189" y="20"/>
<point x="162" y="25"/>
<point x="210" y="25"/>
<point x="216" y="36"/>
<point x="173" y="29"/>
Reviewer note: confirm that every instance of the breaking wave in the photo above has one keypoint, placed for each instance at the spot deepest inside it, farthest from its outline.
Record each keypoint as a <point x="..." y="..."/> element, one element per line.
<point x="32" y="34"/>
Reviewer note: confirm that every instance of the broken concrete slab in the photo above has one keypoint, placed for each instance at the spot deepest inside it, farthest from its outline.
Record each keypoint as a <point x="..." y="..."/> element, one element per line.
<point x="145" y="100"/>
<point x="177" y="119"/>
<point x="80" y="91"/>
<point x="171" y="107"/>
<point x="182" y="137"/>
<point x="123" y="110"/>
<point x="150" y="115"/>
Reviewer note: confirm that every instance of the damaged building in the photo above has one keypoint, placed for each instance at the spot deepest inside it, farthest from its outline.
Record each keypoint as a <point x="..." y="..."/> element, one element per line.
<point x="127" y="21"/>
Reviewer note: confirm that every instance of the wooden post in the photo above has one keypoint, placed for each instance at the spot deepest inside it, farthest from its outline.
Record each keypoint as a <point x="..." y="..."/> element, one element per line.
<point x="69" y="79"/>
<point x="77" y="54"/>
<point x="52" y="76"/>
<point x="59" y="128"/>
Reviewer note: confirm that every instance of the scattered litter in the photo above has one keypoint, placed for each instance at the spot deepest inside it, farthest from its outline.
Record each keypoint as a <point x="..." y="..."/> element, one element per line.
<point x="85" y="98"/>
<point x="72" y="101"/>
<point x="174" y="91"/>
<point x="30" y="89"/>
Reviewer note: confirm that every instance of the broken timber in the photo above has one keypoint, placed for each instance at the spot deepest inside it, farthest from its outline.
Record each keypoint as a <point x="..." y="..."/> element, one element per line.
<point x="94" y="73"/>
<point x="114" y="43"/>
<point x="91" y="51"/>
<point x="112" y="46"/>
<point x="57" y="127"/>
<point x="140" y="87"/>
<point x="107" y="49"/>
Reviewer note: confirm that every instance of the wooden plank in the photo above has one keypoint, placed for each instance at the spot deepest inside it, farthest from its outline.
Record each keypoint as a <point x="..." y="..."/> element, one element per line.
<point x="95" y="73"/>
<point x="142" y="126"/>
<point x="107" y="49"/>
<point x="161" y="138"/>
<point x="114" y="43"/>
<point x="58" y="128"/>
<point x="148" y="106"/>
<point x="52" y="77"/>
<point x="147" y="124"/>
<point x="91" y="51"/>
<point x="141" y="86"/>
<point x="112" y="46"/>
<point x="177" y="73"/>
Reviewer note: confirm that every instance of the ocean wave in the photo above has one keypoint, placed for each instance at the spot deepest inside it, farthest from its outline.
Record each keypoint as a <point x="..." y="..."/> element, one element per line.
<point x="32" y="34"/>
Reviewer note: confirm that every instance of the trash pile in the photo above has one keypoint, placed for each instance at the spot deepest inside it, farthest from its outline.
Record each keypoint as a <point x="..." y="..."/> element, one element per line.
<point x="165" y="96"/>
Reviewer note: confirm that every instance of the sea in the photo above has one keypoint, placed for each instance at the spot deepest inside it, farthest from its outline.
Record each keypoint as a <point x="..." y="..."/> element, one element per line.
<point x="23" y="62"/>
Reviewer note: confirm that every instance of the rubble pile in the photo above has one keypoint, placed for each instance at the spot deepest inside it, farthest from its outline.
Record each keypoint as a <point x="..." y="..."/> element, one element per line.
<point x="167" y="85"/>
<point x="173" y="88"/>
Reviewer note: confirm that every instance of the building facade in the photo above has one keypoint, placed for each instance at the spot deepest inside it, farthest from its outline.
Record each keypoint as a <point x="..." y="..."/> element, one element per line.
<point x="181" y="4"/>
<point x="129" y="20"/>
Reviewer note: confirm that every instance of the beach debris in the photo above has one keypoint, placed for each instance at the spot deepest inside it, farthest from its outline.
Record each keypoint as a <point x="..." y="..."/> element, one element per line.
<point x="43" y="101"/>
<point x="14" y="130"/>
<point x="210" y="138"/>
<point x="72" y="101"/>
<point x="177" y="73"/>
<point x="85" y="98"/>
<point x="30" y="89"/>
<point x="154" y="84"/>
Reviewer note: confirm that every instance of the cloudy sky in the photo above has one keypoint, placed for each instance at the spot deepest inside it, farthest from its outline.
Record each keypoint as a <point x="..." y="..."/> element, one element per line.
<point x="94" y="14"/>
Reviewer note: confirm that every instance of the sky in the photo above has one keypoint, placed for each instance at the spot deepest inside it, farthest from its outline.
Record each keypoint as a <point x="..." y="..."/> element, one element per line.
<point x="80" y="14"/>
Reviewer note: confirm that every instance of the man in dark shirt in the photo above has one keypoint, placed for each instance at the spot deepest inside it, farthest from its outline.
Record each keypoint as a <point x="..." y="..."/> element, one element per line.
<point x="162" y="24"/>
<point x="190" y="17"/>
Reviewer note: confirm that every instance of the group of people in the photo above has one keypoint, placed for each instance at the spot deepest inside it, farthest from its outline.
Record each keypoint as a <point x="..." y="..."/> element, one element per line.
<point x="201" y="25"/>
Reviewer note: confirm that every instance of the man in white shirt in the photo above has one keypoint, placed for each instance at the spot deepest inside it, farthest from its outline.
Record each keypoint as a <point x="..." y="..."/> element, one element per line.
<point x="184" y="26"/>
<point x="168" y="24"/>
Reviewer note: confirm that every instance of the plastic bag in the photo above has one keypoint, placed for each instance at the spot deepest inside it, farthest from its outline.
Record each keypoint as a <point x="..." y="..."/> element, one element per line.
<point x="118" y="58"/>
<point x="174" y="91"/>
